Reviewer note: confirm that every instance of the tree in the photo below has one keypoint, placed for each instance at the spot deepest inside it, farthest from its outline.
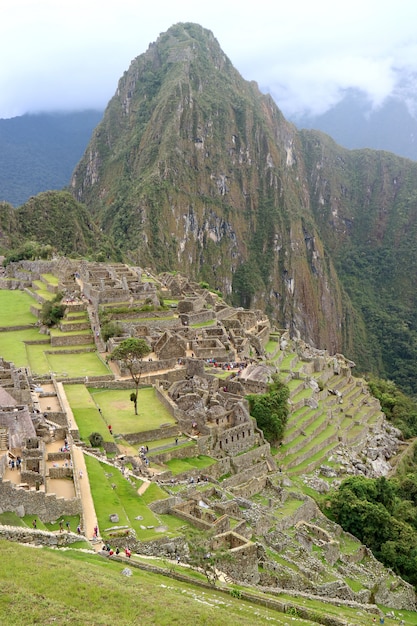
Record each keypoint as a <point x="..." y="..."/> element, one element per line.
<point x="131" y="352"/>
<point x="52" y="311"/>
<point x="271" y="410"/>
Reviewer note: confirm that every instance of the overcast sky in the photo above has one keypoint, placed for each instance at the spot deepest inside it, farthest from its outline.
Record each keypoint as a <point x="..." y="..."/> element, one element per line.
<point x="69" y="54"/>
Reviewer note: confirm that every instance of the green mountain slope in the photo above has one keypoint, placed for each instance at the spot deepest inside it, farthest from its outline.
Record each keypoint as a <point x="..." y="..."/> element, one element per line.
<point x="193" y="168"/>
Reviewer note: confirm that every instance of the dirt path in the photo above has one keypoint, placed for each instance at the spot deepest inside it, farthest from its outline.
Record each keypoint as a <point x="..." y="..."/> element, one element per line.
<point x="89" y="513"/>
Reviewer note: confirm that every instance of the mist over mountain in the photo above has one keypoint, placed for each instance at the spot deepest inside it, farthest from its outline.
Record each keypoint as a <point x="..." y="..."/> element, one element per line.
<point x="354" y="124"/>
<point x="39" y="152"/>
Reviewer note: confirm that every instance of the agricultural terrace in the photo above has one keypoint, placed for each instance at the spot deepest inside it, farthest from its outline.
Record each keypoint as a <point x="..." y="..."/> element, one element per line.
<point x="28" y="348"/>
<point x="15" y="309"/>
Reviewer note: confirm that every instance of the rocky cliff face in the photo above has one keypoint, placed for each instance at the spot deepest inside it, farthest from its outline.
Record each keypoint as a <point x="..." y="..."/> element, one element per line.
<point x="193" y="168"/>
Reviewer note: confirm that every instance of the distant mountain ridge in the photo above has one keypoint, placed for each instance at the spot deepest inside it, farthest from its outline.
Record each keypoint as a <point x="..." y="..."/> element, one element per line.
<point x="354" y="124"/>
<point x="39" y="152"/>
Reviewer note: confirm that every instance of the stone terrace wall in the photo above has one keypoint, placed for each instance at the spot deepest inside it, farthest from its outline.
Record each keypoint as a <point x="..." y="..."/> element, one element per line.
<point x="152" y="435"/>
<point x="151" y="366"/>
<point x="258" y="470"/>
<point x="38" y="537"/>
<point x="306" y="512"/>
<point x="167" y="402"/>
<point x="45" y="505"/>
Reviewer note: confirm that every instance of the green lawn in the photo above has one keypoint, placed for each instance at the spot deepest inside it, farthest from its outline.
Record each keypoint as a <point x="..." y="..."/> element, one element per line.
<point x="177" y="466"/>
<point x="86" y="413"/>
<point x="77" y="364"/>
<point x="15" y="308"/>
<point x="12" y="345"/>
<point x="118" y="410"/>
<point x="50" y="278"/>
<point x="112" y="493"/>
<point x="41" y="289"/>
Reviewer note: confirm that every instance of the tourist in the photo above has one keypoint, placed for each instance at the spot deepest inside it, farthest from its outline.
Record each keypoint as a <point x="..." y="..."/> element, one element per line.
<point x="81" y="474"/>
<point x="79" y="529"/>
<point x="117" y="551"/>
<point x="128" y="553"/>
<point x="34" y="524"/>
<point x="61" y="526"/>
<point x="67" y="524"/>
<point x="110" y="429"/>
<point x="95" y="532"/>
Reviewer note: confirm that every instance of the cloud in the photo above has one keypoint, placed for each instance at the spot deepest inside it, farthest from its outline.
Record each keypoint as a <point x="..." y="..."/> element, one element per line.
<point x="70" y="54"/>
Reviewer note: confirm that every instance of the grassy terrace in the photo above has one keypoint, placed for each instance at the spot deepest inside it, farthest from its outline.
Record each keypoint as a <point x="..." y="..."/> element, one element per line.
<point x="51" y="279"/>
<point x="86" y="413"/>
<point x="287" y="361"/>
<point x="88" y="580"/>
<point x="118" y="410"/>
<point x="12" y="345"/>
<point x="308" y="434"/>
<point x="203" y="324"/>
<point x="112" y="492"/>
<point x="15" y="308"/>
<point x="42" y="290"/>
<point x="77" y="364"/>
<point x="177" y="466"/>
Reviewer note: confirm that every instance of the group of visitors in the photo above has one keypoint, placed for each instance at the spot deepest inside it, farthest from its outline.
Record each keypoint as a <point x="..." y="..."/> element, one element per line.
<point x="65" y="447"/>
<point x="15" y="463"/>
<point x="67" y="525"/>
<point x="109" y="549"/>
<point x="142" y="453"/>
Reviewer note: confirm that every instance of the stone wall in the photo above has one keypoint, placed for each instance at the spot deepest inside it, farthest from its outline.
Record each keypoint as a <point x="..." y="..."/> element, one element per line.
<point x="188" y="319"/>
<point x="162" y="507"/>
<point x="38" y="537"/>
<point x="150" y="366"/>
<point x="167" y="402"/>
<point x="31" y="502"/>
<point x="173" y="453"/>
<point x="258" y="470"/>
<point x="248" y="459"/>
<point x="71" y="340"/>
<point x="61" y="472"/>
<point x="251" y="488"/>
<point x="306" y="512"/>
<point x="237" y="439"/>
<point x="164" y="432"/>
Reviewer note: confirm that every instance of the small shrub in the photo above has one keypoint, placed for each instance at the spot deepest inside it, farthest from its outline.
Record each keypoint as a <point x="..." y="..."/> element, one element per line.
<point x="96" y="440"/>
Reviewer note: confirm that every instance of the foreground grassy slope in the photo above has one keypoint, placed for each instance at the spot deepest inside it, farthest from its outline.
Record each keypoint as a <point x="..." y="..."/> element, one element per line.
<point x="76" y="588"/>
<point x="73" y="587"/>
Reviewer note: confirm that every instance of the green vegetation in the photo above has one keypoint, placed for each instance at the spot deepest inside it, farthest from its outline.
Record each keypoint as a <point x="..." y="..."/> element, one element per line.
<point x="177" y="466"/>
<point x="117" y="410"/>
<point x="86" y="413"/>
<point x="383" y="515"/>
<point x="271" y="410"/>
<point x="399" y="408"/>
<point x="131" y="352"/>
<point x="14" y="309"/>
<point x="80" y="582"/>
<point x="112" y="493"/>
<point x="52" y="311"/>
